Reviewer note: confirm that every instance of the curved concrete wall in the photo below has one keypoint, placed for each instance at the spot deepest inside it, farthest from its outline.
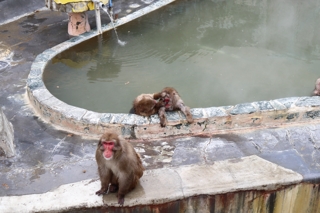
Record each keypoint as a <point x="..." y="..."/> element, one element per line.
<point x="207" y="120"/>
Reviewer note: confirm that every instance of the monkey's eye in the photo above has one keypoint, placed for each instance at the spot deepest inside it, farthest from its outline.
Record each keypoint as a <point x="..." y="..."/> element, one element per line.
<point x="107" y="143"/>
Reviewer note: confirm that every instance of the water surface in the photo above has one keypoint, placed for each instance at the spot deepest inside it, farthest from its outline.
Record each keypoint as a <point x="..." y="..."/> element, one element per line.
<point x="215" y="53"/>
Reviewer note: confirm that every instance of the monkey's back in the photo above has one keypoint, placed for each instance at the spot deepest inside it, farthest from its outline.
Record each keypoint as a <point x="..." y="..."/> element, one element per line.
<point x="143" y="105"/>
<point x="130" y="160"/>
<point x="131" y="164"/>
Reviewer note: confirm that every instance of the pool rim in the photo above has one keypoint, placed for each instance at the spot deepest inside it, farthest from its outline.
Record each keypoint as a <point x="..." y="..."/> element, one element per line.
<point x="207" y="120"/>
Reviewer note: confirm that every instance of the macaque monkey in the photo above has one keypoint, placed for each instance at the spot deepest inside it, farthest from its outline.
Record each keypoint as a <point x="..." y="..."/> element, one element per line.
<point x="118" y="165"/>
<point x="172" y="101"/>
<point x="316" y="91"/>
<point x="146" y="105"/>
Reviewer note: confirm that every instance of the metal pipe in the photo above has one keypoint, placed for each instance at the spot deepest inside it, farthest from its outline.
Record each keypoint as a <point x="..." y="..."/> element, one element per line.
<point x="98" y="18"/>
<point x="99" y="2"/>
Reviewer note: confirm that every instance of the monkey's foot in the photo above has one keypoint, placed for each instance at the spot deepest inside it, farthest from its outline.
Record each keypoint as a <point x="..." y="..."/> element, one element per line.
<point x="163" y="122"/>
<point x="120" y="199"/>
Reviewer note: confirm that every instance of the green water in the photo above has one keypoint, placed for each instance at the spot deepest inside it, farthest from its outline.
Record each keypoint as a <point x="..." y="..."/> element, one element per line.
<point x="215" y="53"/>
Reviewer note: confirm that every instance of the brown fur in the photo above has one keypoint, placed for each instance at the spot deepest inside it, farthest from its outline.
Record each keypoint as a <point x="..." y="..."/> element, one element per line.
<point x="123" y="171"/>
<point x="146" y="105"/>
<point x="172" y="101"/>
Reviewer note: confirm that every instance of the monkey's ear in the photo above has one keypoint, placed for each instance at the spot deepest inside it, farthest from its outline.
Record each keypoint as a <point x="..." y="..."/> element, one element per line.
<point x="121" y="145"/>
<point x="117" y="147"/>
<point x="100" y="145"/>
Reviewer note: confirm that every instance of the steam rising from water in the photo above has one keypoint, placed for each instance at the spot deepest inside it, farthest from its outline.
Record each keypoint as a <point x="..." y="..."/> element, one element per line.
<point x="215" y="53"/>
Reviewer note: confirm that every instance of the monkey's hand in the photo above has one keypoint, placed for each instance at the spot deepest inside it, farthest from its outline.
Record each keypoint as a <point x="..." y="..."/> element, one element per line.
<point x="101" y="192"/>
<point x="190" y="119"/>
<point x="156" y="96"/>
<point x="160" y="103"/>
<point x="162" y="116"/>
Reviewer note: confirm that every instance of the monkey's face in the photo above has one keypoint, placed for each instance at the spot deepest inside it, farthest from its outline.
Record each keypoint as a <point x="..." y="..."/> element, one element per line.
<point x="108" y="146"/>
<point x="318" y="85"/>
<point x="107" y="149"/>
<point x="167" y="99"/>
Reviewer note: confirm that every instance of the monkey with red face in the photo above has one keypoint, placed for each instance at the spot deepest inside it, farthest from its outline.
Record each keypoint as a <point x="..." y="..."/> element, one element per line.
<point x="118" y="165"/>
<point x="316" y="91"/>
<point x="146" y="105"/>
<point x="171" y="101"/>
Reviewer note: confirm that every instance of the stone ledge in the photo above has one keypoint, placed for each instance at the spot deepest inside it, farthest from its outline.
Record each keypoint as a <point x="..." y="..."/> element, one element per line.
<point x="207" y="120"/>
<point x="247" y="173"/>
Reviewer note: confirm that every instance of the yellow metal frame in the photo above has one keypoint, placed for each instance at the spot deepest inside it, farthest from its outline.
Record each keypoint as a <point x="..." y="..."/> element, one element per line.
<point x="80" y="5"/>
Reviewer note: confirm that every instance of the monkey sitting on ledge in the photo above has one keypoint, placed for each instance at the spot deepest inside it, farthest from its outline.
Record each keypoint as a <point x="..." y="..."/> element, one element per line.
<point x="118" y="165"/>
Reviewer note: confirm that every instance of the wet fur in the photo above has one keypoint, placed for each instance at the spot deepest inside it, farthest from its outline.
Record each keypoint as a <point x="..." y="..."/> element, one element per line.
<point x="175" y="103"/>
<point x="146" y="105"/>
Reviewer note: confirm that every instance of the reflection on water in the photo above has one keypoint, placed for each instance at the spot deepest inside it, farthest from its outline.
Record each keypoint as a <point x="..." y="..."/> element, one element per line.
<point x="214" y="52"/>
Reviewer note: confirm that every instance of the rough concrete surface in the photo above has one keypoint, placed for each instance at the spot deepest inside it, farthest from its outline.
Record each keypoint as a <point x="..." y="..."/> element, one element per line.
<point x="6" y="136"/>
<point x="162" y="185"/>
<point x="11" y="10"/>
<point x="47" y="158"/>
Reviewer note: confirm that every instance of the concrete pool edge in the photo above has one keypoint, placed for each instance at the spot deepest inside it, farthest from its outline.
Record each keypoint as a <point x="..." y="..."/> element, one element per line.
<point x="207" y="120"/>
<point x="233" y="175"/>
<point x="262" y="114"/>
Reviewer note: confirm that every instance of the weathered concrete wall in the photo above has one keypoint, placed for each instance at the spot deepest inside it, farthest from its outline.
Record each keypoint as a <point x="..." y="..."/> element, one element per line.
<point x="6" y="136"/>
<point x="10" y="10"/>
<point x="249" y="184"/>
<point x="299" y="198"/>
<point x="293" y="199"/>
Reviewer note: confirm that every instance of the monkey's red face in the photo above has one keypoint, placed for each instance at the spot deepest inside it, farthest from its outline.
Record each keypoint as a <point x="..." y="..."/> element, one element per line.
<point x="167" y="100"/>
<point x="108" y="149"/>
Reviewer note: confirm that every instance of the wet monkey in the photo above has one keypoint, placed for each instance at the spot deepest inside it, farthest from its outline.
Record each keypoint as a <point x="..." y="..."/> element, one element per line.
<point x="146" y="105"/>
<point x="172" y="101"/>
<point x="118" y="165"/>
